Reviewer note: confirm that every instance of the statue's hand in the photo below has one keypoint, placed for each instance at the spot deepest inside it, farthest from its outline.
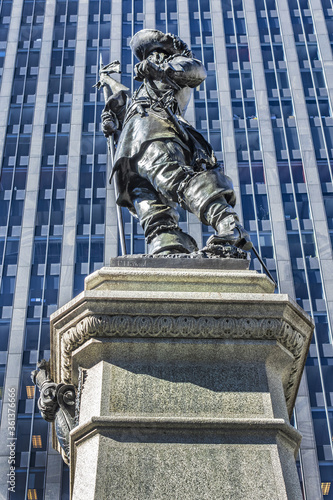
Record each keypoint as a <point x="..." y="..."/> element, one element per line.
<point x="148" y="69"/>
<point x="110" y="123"/>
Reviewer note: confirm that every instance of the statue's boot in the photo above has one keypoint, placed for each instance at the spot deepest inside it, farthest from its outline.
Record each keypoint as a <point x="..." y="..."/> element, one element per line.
<point x="160" y="224"/>
<point x="229" y="230"/>
<point x="172" y="241"/>
<point x="211" y="197"/>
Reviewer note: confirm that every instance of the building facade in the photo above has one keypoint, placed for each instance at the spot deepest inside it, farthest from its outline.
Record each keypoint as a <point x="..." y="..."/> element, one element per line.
<point x="266" y="107"/>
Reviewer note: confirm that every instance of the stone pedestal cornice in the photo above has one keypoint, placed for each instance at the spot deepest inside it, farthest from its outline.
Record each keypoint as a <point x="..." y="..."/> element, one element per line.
<point x="103" y="326"/>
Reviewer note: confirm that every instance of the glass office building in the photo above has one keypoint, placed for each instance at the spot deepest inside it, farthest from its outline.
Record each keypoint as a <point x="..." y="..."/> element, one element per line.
<point x="266" y="107"/>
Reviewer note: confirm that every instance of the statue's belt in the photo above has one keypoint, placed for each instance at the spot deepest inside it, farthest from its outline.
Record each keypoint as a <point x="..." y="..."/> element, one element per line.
<point x="136" y="107"/>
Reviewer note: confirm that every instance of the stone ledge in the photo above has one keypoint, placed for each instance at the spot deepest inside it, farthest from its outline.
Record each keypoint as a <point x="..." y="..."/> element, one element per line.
<point x="178" y="279"/>
<point x="173" y="423"/>
<point x="174" y="303"/>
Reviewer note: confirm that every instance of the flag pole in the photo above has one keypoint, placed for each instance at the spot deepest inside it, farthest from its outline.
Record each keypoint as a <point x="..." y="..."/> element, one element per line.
<point x="107" y="92"/>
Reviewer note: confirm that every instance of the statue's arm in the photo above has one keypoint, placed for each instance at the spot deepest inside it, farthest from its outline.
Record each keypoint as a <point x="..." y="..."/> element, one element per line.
<point x="114" y="112"/>
<point x="117" y="104"/>
<point x="185" y="71"/>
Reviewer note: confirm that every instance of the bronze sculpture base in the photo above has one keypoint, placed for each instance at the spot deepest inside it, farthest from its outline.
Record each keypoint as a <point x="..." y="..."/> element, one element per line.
<point x="226" y="257"/>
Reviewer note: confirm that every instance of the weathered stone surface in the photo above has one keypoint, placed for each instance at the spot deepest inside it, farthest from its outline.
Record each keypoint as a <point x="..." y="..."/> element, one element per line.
<point x="188" y="379"/>
<point x="191" y="465"/>
<point x="178" y="279"/>
<point x="191" y="378"/>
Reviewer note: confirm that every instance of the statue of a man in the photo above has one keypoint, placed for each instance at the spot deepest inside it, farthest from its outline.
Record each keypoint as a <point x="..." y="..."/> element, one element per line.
<point x="161" y="160"/>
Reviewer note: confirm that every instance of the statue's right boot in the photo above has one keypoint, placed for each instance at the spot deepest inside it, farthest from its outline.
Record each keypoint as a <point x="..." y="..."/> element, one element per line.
<point x="160" y="224"/>
<point x="210" y="196"/>
<point x="231" y="232"/>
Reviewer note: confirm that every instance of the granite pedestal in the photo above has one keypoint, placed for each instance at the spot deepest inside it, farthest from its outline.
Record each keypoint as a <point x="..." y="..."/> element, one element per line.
<point x="186" y="381"/>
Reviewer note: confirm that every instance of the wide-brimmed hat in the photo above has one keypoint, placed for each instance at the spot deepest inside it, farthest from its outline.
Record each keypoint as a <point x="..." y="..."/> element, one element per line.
<point x="146" y="41"/>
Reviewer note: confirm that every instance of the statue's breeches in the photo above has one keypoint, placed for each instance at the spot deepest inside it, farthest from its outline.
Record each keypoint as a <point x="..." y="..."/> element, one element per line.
<point x="162" y="176"/>
<point x="163" y="164"/>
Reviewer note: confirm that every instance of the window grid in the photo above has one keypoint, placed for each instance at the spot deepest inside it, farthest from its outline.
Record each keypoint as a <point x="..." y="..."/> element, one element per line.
<point x="319" y="107"/>
<point x="328" y="13"/>
<point x="5" y="12"/>
<point x="304" y="12"/>
<point x="251" y="174"/>
<point x="316" y="363"/>
<point x="301" y="10"/>
<point x="277" y="87"/>
<point x="15" y="161"/>
<point x="17" y="143"/>
<point x="166" y="16"/>
<point x="298" y="189"/>
<point x="293" y="190"/>
<point x="7" y="280"/>
<point x="45" y="270"/>
<point x="49" y="218"/>
<point x="92" y="191"/>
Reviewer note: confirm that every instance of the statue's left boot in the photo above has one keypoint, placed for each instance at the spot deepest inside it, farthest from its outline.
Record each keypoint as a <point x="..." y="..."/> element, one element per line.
<point x="171" y="241"/>
<point x="211" y="197"/>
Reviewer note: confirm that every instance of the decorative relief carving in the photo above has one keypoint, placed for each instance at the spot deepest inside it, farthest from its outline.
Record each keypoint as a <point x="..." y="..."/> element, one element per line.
<point x="56" y="404"/>
<point x="181" y="326"/>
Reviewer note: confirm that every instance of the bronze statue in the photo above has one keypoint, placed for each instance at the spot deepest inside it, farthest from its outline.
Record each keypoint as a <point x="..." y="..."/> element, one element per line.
<point x="160" y="159"/>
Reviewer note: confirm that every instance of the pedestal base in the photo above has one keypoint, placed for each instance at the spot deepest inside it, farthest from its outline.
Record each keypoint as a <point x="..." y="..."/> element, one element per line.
<point x="194" y="459"/>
